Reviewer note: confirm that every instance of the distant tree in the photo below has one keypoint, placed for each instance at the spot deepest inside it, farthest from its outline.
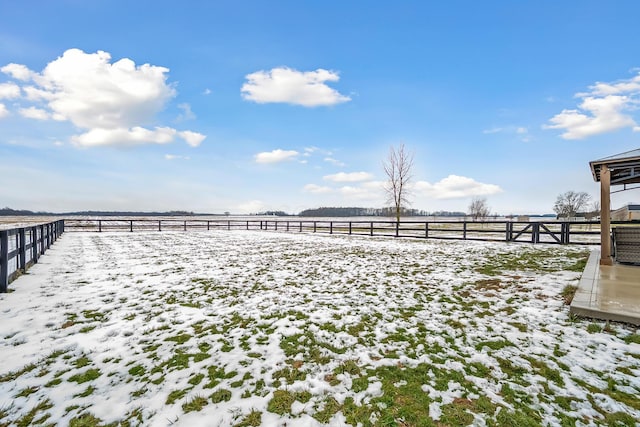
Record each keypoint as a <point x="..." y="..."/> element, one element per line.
<point x="397" y="167"/>
<point x="479" y="209"/>
<point x="570" y="203"/>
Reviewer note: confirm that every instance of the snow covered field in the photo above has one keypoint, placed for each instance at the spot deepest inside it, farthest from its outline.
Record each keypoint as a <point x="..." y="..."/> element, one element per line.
<point x="260" y="328"/>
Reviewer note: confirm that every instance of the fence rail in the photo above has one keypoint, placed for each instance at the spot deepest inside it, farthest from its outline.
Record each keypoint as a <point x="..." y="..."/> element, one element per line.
<point x="550" y="232"/>
<point x="21" y="247"/>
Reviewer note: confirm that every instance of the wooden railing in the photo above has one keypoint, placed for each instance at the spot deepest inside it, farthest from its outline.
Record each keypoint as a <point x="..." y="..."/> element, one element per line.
<point x="21" y="247"/>
<point x="505" y="231"/>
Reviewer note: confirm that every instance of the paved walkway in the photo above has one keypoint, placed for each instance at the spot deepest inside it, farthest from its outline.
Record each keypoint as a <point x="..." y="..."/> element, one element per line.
<point x="608" y="292"/>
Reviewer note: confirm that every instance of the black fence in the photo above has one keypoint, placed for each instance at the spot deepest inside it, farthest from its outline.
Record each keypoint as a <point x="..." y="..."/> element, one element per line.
<point x="551" y="232"/>
<point x="21" y="247"/>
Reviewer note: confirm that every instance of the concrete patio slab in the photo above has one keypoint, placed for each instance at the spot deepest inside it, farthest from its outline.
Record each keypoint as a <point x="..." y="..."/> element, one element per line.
<point x="608" y="292"/>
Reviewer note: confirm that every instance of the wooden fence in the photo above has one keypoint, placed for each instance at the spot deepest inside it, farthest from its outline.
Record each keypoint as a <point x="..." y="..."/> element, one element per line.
<point x="21" y="247"/>
<point x="505" y="231"/>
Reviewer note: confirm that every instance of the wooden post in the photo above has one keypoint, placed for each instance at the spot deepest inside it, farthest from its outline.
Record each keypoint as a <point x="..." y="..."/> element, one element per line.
<point x="349" y="227"/>
<point x="42" y="236"/>
<point x="371" y="229"/>
<point x="605" y="216"/>
<point x="99" y="226"/>
<point x="4" y="260"/>
<point x="330" y="227"/>
<point x="535" y="233"/>
<point x="464" y="230"/>
<point x="287" y="226"/>
<point x="185" y="226"/>
<point x="426" y="230"/>
<point x="159" y="225"/>
<point x="34" y="244"/>
<point x="397" y="228"/>
<point x="131" y="226"/>
<point x="314" y="226"/>
<point x="22" y="247"/>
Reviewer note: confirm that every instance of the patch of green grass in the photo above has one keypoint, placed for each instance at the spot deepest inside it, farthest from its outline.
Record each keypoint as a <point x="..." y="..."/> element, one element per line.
<point x="195" y="404"/>
<point x="632" y="339"/>
<point x="493" y="345"/>
<point x="28" y="418"/>
<point x="87" y="392"/>
<point x="137" y="371"/>
<point x="85" y="420"/>
<point x="196" y="379"/>
<point x="252" y="419"/>
<point x="568" y="293"/>
<point x="81" y="362"/>
<point x="88" y="375"/>
<point x="330" y="407"/>
<point x="290" y="374"/>
<point x="594" y="328"/>
<point x="281" y="402"/>
<point x="13" y="375"/>
<point x="175" y="395"/>
<point x="221" y="395"/>
<point x="25" y="392"/>
<point x="179" y="339"/>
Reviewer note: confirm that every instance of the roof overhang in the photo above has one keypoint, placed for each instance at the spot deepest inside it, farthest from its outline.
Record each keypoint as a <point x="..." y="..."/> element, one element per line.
<point x="624" y="168"/>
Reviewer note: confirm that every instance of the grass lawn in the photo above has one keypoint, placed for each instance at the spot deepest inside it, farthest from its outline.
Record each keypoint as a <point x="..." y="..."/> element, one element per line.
<point x="263" y="328"/>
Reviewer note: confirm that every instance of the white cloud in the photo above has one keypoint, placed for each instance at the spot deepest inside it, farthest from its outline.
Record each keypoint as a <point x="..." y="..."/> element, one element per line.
<point x="492" y="130"/>
<point x="34" y="113"/>
<point x="207" y="92"/>
<point x="334" y="162"/>
<point x="194" y="139"/>
<point x="110" y="102"/>
<point x="123" y="137"/>
<point x="317" y="189"/>
<point x="455" y="186"/>
<point x="3" y="111"/>
<point x="285" y="85"/>
<point x="348" y="177"/>
<point x="605" y="108"/>
<point x="9" y="91"/>
<point x="186" y="114"/>
<point x="275" y="156"/>
<point x="176" y="157"/>
<point x="18" y="72"/>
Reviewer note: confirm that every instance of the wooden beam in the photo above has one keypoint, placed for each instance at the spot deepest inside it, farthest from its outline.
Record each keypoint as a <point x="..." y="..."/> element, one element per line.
<point x="605" y="216"/>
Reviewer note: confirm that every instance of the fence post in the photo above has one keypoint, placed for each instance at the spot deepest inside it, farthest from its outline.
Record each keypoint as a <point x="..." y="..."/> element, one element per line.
<point x="99" y="226"/>
<point x="349" y="227"/>
<point x="247" y="225"/>
<point x="330" y="227"/>
<point x="131" y="226"/>
<point x="42" y="237"/>
<point x="287" y="226"/>
<point x="34" y="244"/>
<point x="314" y="226"/>
<point x="464" y="230"/>
<point x="535" y="233"/>
<point x="4" y="260"/>
<point x="566" y="235"/>
<point x="397" y="228"/>
<point x="426" y="230"/>
<point x="371" y="228"/>
<point x="23" y="250"/>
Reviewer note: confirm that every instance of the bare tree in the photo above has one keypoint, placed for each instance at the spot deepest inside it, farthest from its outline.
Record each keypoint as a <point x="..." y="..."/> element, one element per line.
<point x="398" y="167"/>
<point x="479" y="209"/>
<point x="568" y="204"/>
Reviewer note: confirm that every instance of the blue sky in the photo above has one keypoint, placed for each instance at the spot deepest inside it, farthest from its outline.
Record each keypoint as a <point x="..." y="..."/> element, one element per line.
<point x="246" y="106"/>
